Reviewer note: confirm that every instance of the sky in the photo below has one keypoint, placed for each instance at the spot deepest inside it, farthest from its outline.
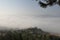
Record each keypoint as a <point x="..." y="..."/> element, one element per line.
<point x="27" y="13"/>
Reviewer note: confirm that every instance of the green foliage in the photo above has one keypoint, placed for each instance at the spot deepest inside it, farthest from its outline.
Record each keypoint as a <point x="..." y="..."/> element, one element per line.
<point x="27" y="34"/>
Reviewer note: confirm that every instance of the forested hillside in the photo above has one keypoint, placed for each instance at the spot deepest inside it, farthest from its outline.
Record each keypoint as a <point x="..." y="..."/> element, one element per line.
<point x="27" y="34"/>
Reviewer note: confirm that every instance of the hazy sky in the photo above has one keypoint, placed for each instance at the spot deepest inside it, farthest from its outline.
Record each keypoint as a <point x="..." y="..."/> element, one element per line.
<point x="27" y="13"/>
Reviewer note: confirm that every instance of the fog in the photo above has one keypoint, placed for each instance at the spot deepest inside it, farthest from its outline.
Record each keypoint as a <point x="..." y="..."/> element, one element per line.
<point x="45" y="23"/>
<point x="25" y="14"/>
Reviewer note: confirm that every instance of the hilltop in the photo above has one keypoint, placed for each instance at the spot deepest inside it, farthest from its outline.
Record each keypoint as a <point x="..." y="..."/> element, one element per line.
<point x="27" y="34"/>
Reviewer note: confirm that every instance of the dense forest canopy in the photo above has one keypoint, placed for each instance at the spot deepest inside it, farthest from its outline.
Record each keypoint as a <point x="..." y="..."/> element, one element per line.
<point x="45" y="3"/>
<point x="27" y="34"/>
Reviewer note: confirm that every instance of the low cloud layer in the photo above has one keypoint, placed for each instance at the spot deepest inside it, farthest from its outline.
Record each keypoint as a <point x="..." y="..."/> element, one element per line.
<point x="24" y="14"/>
<point x="50" y="24"/>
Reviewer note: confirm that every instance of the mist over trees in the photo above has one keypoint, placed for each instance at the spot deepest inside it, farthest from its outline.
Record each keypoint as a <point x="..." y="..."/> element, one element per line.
<point x="27" y="34"/>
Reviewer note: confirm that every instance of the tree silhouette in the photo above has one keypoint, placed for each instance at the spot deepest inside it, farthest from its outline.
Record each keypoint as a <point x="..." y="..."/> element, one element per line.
<point x="46" y="3"/>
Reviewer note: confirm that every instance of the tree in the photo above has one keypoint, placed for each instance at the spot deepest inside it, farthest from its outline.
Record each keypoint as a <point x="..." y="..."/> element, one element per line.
<point x="46" y="3"/>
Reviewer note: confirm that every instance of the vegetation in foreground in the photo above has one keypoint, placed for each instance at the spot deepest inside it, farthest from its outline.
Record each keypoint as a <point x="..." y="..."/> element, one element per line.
<point x="27" y="34"/>
<point x="45" y="3"/>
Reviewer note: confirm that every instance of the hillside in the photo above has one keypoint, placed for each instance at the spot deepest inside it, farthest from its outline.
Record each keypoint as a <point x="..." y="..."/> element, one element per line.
<point x="27" y="34"/>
